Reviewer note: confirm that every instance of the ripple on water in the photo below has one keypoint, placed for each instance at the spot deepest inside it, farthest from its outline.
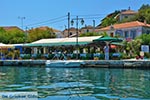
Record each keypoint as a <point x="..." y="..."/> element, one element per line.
<point x="26" y="88"/>
<point x="15" y="85"/>
<point x="101" y="87"/>
<point x="78" y="84"/>
<point x="132" y="99"/>
<point x="106" y="96"/>
<point x="67" y="85"/>
<point x="69" y="98"/>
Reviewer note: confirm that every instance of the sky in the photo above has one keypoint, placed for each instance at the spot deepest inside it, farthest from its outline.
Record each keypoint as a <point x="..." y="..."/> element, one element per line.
<point x="53" y="13"/>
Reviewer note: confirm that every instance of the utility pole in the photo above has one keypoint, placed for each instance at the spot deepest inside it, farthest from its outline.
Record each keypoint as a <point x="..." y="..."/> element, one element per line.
<point x="93" y="25"/>
<point x="21" y="18"/>
<point x="68" y="24"/>
<point x="26" y="34"/>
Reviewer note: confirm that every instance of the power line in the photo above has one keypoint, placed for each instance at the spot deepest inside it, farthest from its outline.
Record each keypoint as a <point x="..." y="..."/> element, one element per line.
<point x="63" y="18"/>
<point x="58" y="21"/>
<point x="50" y="22"/>
<point x="46" y="21"/>
<point x="90" y="15"/>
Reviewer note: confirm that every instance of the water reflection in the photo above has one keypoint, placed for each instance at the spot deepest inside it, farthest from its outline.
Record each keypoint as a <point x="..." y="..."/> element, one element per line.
<point x="77" y="83"/>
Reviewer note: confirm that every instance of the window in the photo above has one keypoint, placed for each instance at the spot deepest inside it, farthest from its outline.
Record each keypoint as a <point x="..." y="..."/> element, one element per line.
<point x="133" y="34"/>
<point x="148" y="32"/>
<point x="119" y="33"/>
<point x="70" y="33"/>
<point x="112" y="34"/>
<point x="125" y="16"/>
<point x="87" y="30"/>
<point x="126" y="34"/>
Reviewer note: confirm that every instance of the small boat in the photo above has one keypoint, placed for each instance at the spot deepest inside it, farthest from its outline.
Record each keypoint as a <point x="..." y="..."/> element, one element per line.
<point x="64" y="63"/>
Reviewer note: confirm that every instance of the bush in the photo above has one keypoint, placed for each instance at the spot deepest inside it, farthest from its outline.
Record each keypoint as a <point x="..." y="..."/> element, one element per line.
<point x="25" y="56"/>
<point x="102" y="57"/>
<point x="50" y="56"/>
<point x="147" y="55"/>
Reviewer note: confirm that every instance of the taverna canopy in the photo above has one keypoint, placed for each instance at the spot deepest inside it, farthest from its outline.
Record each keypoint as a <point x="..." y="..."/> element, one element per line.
<point x="2" y="45"/>
<point x="63" y="41"/>
<point x="108" y="39"/>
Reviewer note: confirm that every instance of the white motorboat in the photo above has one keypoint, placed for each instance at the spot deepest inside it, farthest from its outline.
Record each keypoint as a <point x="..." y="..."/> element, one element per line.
<point x="64" y="63"/>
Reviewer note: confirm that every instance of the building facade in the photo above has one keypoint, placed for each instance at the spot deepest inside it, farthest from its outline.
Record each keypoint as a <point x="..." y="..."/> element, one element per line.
<point x="72" y="31"/>
<point x="128" y="30"/>
<point x="127" y="14"/>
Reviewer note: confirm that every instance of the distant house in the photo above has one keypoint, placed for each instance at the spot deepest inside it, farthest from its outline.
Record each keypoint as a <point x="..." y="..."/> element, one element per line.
<point x="114" y="15"/>
<point x="58" y="33"/>
<point x="124" y="14"/>
<point x="87" y="29"/>
<point x="119" y="16"/>
<point x="128" y="30"/>
<point x="72" y="31"/>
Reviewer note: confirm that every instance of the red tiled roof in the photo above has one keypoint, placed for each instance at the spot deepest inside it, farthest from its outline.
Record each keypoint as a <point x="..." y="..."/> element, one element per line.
<point x="70" y="29"/>
<point x="128" y="12"/>
<point x="126" y="25"/>
<point x="87" y="27"/>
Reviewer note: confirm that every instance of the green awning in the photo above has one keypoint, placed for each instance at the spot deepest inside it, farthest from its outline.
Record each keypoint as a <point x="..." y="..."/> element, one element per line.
<point x="74" y="43"/>
<point x="107" y="39"/>
<point x="56" y="44"/>
<point x="117" y="43"/>
<point x="41" y="44"/>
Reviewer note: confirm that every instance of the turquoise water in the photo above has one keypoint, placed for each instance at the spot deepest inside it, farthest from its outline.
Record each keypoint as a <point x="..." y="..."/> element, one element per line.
<point x="77" y="83"/>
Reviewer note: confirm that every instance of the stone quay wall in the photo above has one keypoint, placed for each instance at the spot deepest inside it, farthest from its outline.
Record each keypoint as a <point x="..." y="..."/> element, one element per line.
<point x="118" y="63"/>
<point x="144" y="64"/>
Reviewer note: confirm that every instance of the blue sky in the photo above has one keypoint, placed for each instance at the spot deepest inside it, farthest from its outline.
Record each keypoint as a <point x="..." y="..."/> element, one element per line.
<point x="53" y="13"/>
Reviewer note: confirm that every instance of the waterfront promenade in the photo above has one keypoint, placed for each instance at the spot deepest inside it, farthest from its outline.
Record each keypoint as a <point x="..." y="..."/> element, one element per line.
<point x="144" y="64"/>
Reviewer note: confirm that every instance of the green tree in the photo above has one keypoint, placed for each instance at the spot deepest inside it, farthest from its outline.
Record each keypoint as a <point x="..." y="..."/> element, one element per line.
<point x="145" y="39"/>
<point x="39" y="33"/>
<point x="145" y="6"/>
<point x="11" y="36"/>
<point x="132" y="48"/>
<point x="104" y="34"/>
<point x="89" y="34"/>
<point x="15" y="36"/>
<point x="110" y="19"/>
<point x="142" y="15"/>
<point x="2" y="34"/>
<point x="93" y="34"/>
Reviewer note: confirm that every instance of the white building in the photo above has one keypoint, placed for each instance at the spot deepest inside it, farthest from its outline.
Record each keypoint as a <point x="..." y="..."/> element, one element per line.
<point x="128" y="30"/>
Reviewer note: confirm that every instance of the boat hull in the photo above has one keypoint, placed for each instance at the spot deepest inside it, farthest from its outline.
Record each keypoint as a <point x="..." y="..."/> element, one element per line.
<point x="64" y="63"/>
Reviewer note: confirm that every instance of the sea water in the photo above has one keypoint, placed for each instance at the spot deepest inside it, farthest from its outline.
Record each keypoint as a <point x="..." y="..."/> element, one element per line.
<point x="77" y="83"/>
